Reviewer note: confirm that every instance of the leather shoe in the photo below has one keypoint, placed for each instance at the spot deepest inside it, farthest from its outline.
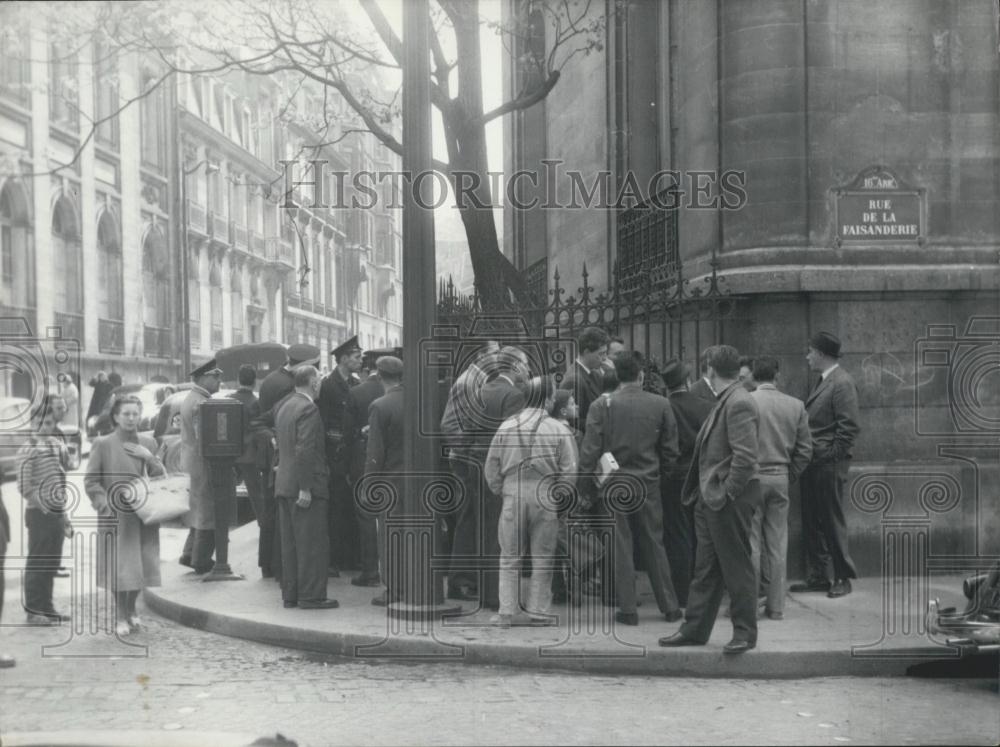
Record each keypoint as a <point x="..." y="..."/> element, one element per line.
<point x="738" y="646"/>
<point x="289" y="603"/>
<point x="6" y="662"/>
<point x="627" y="618"/>
<point x="674" y="616"/>
<point x="678" y="639"/>
<point x="320" y="604"/>
<point x="810" y="584"/>
<point x="365" y="581"/>
<point x="841" y="588"/>
<point x="774" y="615"/>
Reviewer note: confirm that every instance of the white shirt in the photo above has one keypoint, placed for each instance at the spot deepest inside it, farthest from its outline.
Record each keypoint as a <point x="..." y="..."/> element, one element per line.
<point x="711" y="388"/>
<point x="580" y="364"/>
<point x="827" y="371"/>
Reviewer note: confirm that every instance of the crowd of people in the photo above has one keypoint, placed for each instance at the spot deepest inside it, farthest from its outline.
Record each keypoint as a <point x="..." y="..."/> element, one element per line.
<point x="692" y="471"/>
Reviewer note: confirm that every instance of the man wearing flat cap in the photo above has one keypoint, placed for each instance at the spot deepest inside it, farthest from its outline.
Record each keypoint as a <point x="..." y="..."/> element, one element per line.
<point x="342" y="524"/>
<point x="833" y="421"/>
<point x="200" y="543"/>
<point x="690" y="411"/>
<point x="384" y="453"/>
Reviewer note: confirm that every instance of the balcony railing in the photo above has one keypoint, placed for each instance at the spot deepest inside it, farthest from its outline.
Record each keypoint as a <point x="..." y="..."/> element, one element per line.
<point x="216" y="336"/>
<point x="239" y="237"/>
<point x="110" y="336"/>
<point x="71" y="325"/>
<point x="219" y="227"/>
<point x="156" y="342"/>
<point x="196" y="217"/>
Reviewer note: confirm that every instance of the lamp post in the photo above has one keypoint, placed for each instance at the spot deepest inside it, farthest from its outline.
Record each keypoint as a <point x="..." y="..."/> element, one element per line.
<point x="185" y="295"/>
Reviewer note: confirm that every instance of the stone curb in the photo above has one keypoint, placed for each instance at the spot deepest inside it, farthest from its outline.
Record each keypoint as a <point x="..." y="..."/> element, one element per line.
<point x="701" y="662"/>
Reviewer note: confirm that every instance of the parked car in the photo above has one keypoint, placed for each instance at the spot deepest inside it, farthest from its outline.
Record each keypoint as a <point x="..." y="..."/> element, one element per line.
<point x="15" y="427"/>
<point x="152" y="396"/>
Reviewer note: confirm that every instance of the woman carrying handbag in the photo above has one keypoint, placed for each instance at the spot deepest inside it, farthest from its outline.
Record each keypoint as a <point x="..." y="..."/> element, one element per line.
<point x="119" y="463"/>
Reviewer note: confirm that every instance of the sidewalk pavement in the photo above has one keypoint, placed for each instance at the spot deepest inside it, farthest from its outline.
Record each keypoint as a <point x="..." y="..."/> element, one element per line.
<point x="877" y="630"/>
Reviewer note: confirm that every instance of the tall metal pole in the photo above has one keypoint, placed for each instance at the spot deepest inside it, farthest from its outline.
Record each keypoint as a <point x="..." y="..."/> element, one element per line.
<point x="422" y="593"/>
<point x="185" y="300"/>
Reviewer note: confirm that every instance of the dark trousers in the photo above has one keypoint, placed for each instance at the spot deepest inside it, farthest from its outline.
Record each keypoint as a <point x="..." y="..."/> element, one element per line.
<point x="678" y="538"/>
<point x="266" y="512"/>
<point x="342" y="524"/>
<point x="645" y="525"/>
<point x="368" y="542"/>
<point x="476" y="543"/>
<point x="199" y="548"/>
<point x="305" y="550"/>
<point x="724" y="562"/>
<point x="45" y="545"/>
<point x="823" y="522"/>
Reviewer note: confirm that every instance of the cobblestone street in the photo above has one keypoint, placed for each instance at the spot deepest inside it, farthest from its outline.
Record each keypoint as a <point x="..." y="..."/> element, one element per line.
<point x="193" y="681"/>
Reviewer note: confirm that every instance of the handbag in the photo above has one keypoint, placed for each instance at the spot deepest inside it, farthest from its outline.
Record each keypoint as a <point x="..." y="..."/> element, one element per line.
<point x="160" y="499"/>
<point x="607" y="465"/>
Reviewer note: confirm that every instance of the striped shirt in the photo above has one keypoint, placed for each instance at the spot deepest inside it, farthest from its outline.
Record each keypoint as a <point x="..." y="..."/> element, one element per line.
<point x="41" y="473"/>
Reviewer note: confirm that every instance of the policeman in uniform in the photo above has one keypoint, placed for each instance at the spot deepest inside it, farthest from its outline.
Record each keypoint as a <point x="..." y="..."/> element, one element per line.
<point x="200" y="543"/>
<point x="342" y="525"/>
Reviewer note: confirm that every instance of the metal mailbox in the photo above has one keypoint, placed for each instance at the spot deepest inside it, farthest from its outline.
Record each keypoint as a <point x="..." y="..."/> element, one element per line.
<point x="221" y="425"/>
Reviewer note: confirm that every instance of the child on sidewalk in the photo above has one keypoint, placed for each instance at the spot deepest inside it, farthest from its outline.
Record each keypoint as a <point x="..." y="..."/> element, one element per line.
<point x="42" y="464"/>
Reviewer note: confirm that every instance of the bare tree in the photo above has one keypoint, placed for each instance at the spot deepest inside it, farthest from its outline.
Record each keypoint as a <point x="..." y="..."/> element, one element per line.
<point x="318" y="45"/>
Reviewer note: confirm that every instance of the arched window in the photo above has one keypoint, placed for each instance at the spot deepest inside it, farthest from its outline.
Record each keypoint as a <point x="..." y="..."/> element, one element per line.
<point x="17" y="259"/>
<point x="156" y="279"/>
<point x="215" y="296"/>
<point x="109" y="273"/>
<point x="67" y="256"/>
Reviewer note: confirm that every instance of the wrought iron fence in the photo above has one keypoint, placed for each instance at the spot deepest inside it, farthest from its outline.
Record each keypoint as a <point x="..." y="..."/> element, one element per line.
<point x="649" y="303"/>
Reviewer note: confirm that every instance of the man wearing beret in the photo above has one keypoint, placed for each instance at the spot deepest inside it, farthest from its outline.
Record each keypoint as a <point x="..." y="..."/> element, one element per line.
<point x="384" y="453"/>
<point x="833" y="420"/>
<point x="342" y="527"/>
<point x="200" y="543"/>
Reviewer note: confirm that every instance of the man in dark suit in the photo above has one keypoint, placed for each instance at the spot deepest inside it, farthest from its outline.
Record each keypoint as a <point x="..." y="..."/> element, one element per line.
<point x="639" y="429"/>
<point x="384" y="453"/>
<point x="476" y="527"/>
<point x="702" y="388"/>
<point x="273" y="389"/>
<point x="279" y="384"/>
<point x="833" y="420"/>
<point x="722" y="484"/>
<point x="301" y="489"/>
<point x="343" y="527"/>
<point x="249" y="470"/>
<point x="690" y="412"/>
<point x="586" y="379"/>
<point x="359" y="399"/>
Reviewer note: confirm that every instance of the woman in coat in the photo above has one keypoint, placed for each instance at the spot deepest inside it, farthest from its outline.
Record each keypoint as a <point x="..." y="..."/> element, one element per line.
<point x="116" y="462"/>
